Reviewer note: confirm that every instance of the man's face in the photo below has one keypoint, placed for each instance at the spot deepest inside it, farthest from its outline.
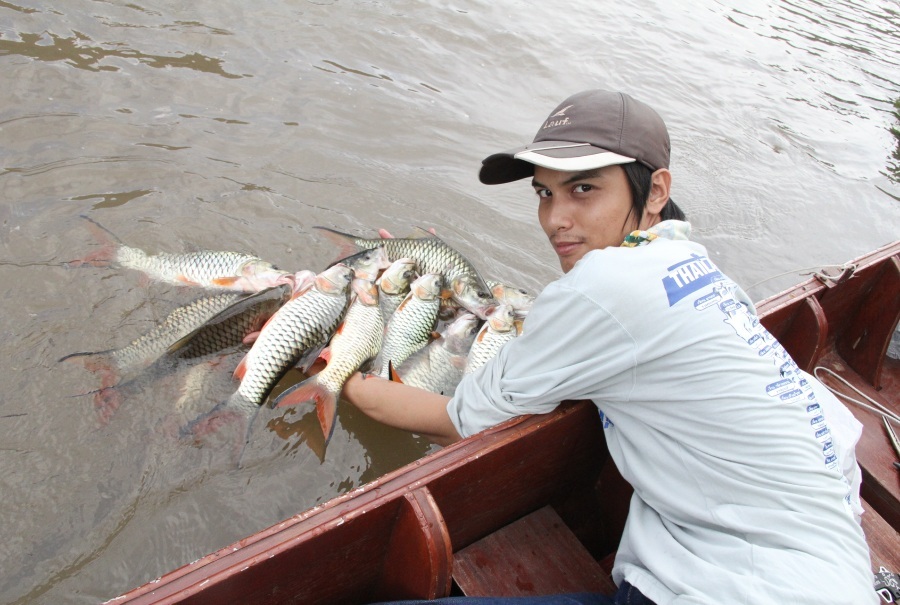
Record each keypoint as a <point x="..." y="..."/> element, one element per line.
<point x="583" y="211"/>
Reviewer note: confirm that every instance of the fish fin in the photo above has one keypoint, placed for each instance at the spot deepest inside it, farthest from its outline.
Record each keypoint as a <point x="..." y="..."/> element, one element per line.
<point x="250" y="338"/>
<point x="519" y="324"/>
<point x="311" y="356"/>
<point x="435" y="336"/>
<point x="344" y="242"/>
<point x="423" y="233"/>
<point x="311" y="390"/>
<point x="392" y="373"/>
<point x="225" y="282"/>
<point x="222" y="415"/>
<point x="241" y="368"/>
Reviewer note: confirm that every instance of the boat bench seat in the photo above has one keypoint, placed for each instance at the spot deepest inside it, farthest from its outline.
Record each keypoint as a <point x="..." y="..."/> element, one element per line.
<point x="535" y="555"/>
<point x="883" y="540"/>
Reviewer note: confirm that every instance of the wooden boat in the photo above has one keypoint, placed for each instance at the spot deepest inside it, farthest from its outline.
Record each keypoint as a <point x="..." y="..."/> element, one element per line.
<point x="535" y="506"/>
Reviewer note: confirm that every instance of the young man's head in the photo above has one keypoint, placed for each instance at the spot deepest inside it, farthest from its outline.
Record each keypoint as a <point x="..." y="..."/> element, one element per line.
<point x="599" y="165"/>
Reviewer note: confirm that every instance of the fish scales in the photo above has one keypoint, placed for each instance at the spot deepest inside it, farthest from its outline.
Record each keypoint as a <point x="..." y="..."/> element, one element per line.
<point x="180" y="322"/>
<point x="200" y="267"/>
<point x="439" y="366"/>
<point x="229" y="328"/>
<point x="411" y="326"/>
<point x="303" y="323"/>
<point x="358" y="341"/>
<point x="500" y="328"/>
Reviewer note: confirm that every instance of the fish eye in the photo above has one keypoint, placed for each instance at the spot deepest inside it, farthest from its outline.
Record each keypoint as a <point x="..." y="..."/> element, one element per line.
<point x="483" y="295"/>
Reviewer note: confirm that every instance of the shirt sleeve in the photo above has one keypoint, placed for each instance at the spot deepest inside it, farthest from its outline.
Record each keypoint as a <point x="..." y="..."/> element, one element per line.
<point x="570" y="348"/>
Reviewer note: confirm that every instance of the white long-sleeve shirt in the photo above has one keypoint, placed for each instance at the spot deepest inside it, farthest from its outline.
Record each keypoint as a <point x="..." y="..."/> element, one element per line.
<point x="739" y="494"/>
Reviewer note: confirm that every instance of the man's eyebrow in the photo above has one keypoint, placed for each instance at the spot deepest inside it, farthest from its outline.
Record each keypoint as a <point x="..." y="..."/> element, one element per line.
<point x="578" y="176"/>
<point x="584" y="175"/>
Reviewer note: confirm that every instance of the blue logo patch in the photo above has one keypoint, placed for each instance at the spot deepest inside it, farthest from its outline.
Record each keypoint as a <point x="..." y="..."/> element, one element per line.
<point x="688" y="276"/>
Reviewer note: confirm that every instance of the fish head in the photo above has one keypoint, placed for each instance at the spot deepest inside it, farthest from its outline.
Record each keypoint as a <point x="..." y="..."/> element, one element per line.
<point x="502" y="319"/>
<point x="303" y="280"/>
<point x="398" y="277"/>
<point x="369" y="263"/>
<point x="460" y="334"/>
<point x="428" y="286"/>
<point x="258" y="275"/>
<point x="335" y="279"/>
<point x="519" y="298"/>
<point x="366" y="291"/>
<point x="468" y="292"/>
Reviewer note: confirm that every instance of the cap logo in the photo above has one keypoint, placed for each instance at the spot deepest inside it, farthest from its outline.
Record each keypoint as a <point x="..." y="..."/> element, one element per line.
<point x="562" y="121"/>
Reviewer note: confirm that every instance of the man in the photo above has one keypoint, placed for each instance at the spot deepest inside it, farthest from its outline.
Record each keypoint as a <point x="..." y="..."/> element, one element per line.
<point x="740" y="494"/>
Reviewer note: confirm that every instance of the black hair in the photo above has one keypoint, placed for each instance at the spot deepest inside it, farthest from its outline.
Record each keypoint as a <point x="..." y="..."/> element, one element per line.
<point x="639" y="181"/>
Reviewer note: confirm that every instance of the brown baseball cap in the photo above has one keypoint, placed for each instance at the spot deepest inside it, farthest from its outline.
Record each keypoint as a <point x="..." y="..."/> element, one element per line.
<point x="590" y="129"/>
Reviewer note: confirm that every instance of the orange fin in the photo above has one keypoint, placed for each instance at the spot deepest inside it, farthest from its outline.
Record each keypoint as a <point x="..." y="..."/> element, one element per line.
<point x="311" y="390"/>
<point x="219" y="281"/>
<point x="241" y="368"/>
<point x="392" y="373"/>
<point x="250" y="338"/>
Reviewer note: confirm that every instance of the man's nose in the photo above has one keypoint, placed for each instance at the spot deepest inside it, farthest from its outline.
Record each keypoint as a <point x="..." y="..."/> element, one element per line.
<point x="560" y="215"/>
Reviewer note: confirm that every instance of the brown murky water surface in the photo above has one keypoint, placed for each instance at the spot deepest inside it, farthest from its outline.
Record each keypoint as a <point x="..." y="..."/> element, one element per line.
<point x="239" y="126"/>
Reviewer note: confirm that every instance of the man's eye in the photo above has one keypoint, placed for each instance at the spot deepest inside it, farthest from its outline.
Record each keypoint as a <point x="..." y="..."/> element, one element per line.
<point x="542" y="192"/>
<point x="582" y="188"/>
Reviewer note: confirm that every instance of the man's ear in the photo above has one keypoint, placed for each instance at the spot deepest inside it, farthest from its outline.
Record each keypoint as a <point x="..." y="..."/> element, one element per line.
<point x="660" y="185"/>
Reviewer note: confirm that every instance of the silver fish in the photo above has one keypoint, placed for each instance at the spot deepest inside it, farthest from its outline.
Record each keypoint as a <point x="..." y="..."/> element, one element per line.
<point x="439" y="366"/>
<point x="393" y="286"/>
<point x="433" y="255"/>
<point x="206" y="268"/>
<point x="412" y="324"/>
<point x="149" y="347"/>
<point x="357" y="341"/>
<point x="499" y="329"/>
<point x="299" y="328"/>
<point x="301" y="325"/>
<point x="231" y="326"/>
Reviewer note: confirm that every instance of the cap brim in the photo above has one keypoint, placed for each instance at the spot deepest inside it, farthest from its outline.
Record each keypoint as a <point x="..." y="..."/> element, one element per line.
<point x="519" y="163"/>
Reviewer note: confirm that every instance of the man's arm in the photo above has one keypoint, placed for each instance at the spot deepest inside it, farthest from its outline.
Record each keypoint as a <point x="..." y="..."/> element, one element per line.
<point x="402" y="406"/>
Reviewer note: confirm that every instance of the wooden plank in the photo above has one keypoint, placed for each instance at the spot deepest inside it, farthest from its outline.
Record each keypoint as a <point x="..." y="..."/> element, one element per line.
<point x="865" y="340"/>
<point x="805" y="336"/>
<point x="418" y="561"/>
<point x="881" y="481"/>
<point x="535" y="555"/>
<point x="883" y="540"/>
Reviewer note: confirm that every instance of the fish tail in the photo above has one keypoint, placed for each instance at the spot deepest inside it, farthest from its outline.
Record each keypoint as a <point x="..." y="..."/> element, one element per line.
<point x="344" y="241"/>
<point x="311" y="390"/>
<point x="108" y="241"/>
<point x="107" y="398"/>
<point x="236" y="411"/>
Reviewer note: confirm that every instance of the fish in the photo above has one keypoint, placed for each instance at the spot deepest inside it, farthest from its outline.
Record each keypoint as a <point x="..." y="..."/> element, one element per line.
<point x="433" y="255"/>
<point x="412" y="324"/>
<point x="297" y="331"/>
<point x="205" y="268"/>
<point x="357" y="341"/>
<point x="439" y="366"/>
<point x="205" y="326"/>
<point x="499" y="329"/>
<point x="233" y="326"/>
<point x="518" y="298"/>
<point x="393" y="286"/>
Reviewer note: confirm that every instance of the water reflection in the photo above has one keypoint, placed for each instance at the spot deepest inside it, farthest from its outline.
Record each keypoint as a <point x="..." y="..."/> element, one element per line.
<point x="76" y="52"/>
<point x="894" y="166"/>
